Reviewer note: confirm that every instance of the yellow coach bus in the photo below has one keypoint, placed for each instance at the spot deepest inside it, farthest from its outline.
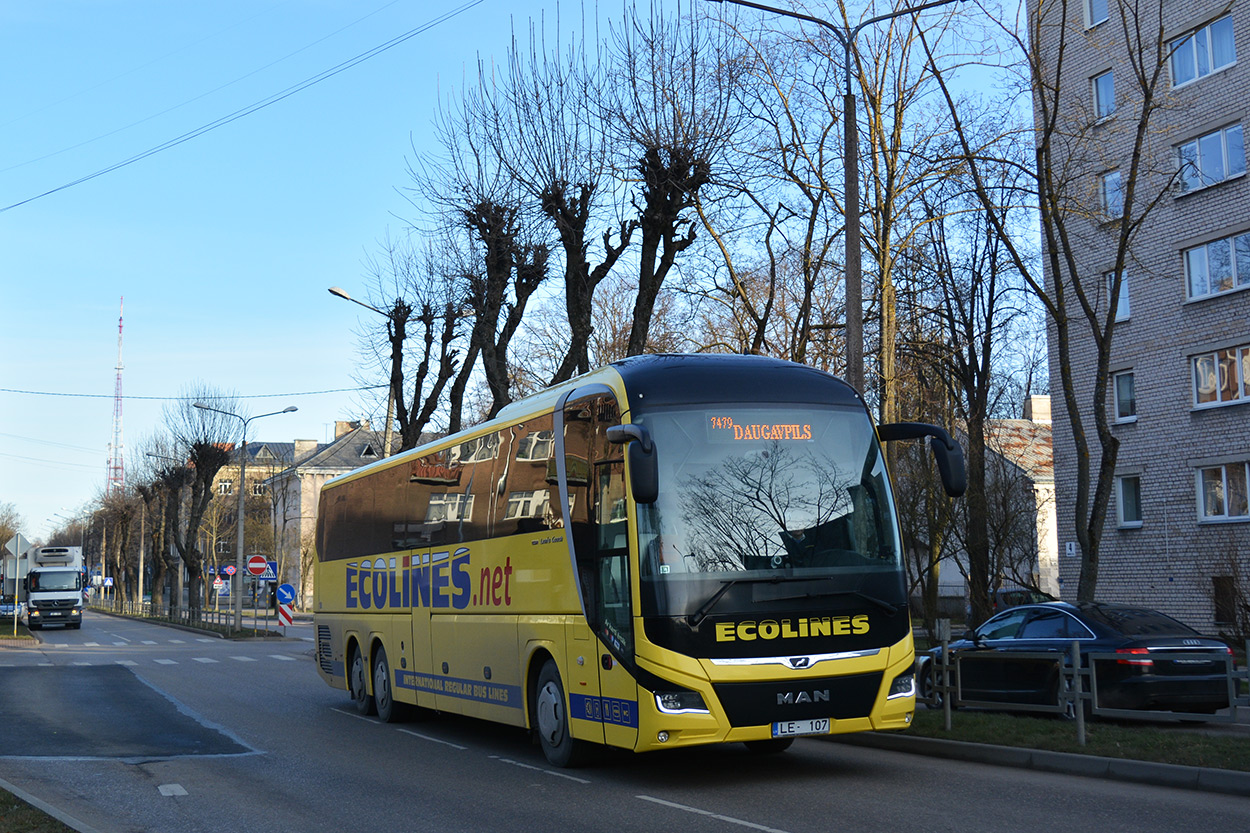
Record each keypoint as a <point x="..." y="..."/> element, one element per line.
<point x="671" y="550"/>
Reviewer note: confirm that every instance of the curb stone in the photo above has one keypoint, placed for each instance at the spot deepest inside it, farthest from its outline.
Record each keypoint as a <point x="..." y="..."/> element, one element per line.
<point x="1226" y="781"/>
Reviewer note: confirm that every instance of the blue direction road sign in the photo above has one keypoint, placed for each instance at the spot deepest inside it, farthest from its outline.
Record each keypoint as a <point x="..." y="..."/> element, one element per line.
<point x="286" y="594"/>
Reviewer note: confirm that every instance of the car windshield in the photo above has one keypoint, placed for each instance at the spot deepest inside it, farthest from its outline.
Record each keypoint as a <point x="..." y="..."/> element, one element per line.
<point x="766" y="496"/>
<point x="1135" y="621"/>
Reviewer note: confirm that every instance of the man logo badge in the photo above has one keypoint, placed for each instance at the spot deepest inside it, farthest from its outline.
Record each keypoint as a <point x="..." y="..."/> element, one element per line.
<point x="800" y="662"/>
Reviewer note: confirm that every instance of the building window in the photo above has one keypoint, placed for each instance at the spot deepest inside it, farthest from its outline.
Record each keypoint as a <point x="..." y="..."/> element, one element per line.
<point x="225" y="487"/>
<point x="258" y="489"/>
<point x="1121" y="303"/>
<point x="1104" y="94"/>
<point x="1222" y="492"/>
<point x="449" y="506"/>
<point x="1224" y="594"/>
<point x="1212" y="158"/>
<point x="1203" y="51"/>
<point x="528" y="504"/>
<point x="1095" y="11"/>
<point x="1220" y="377"/>
<point x="1112" y="194"/>
<point x="1219" y="266"/>
<point x="1125" y="398"/>
<point x="1128" y="500"/>
<point x="536" y="447"/>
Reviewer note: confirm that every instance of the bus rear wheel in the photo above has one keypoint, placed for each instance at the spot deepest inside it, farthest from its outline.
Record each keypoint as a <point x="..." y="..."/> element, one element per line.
<point x="383" y="696"/>
<point x="357" y="683"/>
<point x="551" y="720"/>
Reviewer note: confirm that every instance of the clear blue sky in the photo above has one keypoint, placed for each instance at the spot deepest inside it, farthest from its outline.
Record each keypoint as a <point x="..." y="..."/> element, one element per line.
<point x="222" y="246"/>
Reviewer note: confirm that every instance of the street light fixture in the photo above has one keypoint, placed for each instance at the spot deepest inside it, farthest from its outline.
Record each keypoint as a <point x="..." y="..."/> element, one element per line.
<point x="395" y="332"/>
<point x="236" y="589"/>
<point x="850" y="159"/>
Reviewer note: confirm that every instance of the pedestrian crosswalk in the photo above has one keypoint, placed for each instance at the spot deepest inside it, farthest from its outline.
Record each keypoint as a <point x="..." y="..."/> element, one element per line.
<point x="168" y="661"/>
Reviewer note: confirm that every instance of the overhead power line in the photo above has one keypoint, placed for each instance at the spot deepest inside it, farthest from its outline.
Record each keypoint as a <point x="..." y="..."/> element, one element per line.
<point x="257" y="106"/>
<point x="188" y="398"/>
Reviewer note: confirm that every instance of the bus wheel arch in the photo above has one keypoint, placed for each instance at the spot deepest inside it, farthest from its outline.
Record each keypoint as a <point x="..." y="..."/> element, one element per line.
<point x="358" y="678"/>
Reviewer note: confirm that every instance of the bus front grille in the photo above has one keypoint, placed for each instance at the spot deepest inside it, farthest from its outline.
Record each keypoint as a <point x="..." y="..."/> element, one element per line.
<point x="755" y="704"/>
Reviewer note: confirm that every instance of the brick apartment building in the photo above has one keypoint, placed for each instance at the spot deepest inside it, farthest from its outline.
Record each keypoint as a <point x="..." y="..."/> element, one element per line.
<point x="1178" y="535"/>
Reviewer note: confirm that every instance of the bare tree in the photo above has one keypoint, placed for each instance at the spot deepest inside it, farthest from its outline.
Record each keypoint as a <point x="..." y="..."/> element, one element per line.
<point x="670" y="107"/>
<point x="1077" y="209"/>
<point x="204" y="437"/>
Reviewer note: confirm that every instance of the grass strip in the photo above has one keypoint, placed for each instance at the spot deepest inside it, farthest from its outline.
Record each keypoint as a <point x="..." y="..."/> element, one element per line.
<point x="1198" y="745"/>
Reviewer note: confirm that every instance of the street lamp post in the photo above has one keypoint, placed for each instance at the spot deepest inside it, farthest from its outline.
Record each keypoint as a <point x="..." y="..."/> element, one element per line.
<point x="850" y="173"/>
<point x="398" y="318"/>
<point x="236" y="590"/>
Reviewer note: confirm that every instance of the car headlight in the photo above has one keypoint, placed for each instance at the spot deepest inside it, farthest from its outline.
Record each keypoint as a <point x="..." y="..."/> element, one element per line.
<point x="904" y="685"/>
<point x="680" y="702"/>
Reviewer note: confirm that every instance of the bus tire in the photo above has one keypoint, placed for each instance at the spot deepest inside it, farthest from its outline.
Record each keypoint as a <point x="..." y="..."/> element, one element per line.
<point x="551" y="720"/>
<point x="358" y="683"/>
<point x="383" y="694"/>
<point x="772" y="746"/>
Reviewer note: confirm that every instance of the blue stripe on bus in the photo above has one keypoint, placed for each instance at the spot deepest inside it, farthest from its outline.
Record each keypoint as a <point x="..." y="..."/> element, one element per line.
<point x="604" y="710"/>
<point x="482" y="692"/>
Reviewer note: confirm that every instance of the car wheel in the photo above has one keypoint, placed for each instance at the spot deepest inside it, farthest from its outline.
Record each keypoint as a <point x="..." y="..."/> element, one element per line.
<point x="357" y="683"/>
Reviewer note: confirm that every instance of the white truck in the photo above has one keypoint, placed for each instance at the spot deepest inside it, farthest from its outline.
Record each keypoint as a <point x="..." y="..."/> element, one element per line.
<point x="54" y="587"/>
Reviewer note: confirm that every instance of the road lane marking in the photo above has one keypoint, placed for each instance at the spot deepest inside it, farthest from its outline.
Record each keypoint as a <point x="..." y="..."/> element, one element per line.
<point x="244" y="659"/>
<point x="540" y="769"/>
<point x="205" y="639"/>
<point x="121" y="643"/>
<point x="283" y="657"/>
<point x="178" y="641"/>
<point x="83" y="663"/>
<point x="709" y="814"/>
<point x="172" y="789"/>
<point x="203" y="659"/>
<point x="149" y="642"/>
<point x="166" y="662"/>
<point x="91" y="644"/>
<point x="433" y="740"/>
<point x="125" y="662"/>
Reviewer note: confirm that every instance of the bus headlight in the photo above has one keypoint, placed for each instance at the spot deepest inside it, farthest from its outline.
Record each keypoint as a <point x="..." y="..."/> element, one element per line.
<point x="680" y="702"/>
<point x="904" y="685"/>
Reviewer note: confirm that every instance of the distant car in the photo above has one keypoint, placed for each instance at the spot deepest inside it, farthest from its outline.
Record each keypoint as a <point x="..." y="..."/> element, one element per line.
<point x="6" y="609"/>
<point x="1145" y="678"/>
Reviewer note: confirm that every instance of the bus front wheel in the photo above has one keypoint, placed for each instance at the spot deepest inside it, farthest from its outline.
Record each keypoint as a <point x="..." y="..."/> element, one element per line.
<point x="357" y="683"/>
<point x="551" y="720"/>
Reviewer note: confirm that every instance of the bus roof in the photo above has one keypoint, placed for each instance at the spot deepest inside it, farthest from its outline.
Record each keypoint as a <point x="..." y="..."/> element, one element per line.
<point x="667" y="379"/>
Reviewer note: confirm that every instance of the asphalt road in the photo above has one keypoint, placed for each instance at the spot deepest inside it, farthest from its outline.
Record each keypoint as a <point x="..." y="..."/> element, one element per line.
<point x="166" y="731"/>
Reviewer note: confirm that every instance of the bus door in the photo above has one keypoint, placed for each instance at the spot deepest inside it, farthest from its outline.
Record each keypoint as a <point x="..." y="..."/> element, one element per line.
<point x="599" y="530"/>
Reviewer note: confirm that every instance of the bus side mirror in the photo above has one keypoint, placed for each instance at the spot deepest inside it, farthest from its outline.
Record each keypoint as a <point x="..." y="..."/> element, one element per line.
<point x="946" y="452"/>
<point x="644" y="474"/>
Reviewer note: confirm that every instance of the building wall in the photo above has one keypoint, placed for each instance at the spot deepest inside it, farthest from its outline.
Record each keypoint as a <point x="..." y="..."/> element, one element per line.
<point x="1169" y="559"/>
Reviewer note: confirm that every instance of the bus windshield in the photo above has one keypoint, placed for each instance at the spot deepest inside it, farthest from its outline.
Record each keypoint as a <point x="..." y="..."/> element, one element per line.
<point x="794" y="497"/>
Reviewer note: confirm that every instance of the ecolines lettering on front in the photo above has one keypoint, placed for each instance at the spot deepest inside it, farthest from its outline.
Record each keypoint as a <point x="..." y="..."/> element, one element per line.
<point x="443" y="581"/>
<point x="786" y="629"/>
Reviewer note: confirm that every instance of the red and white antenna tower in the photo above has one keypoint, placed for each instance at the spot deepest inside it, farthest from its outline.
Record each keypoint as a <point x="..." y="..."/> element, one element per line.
<point x="116" y="482"/>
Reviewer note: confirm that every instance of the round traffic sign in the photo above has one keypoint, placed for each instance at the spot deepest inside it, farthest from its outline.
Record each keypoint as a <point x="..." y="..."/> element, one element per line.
<point x="257" y="565"/>
<point x="230" y="570"/>
<point x="286" y="594"/>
